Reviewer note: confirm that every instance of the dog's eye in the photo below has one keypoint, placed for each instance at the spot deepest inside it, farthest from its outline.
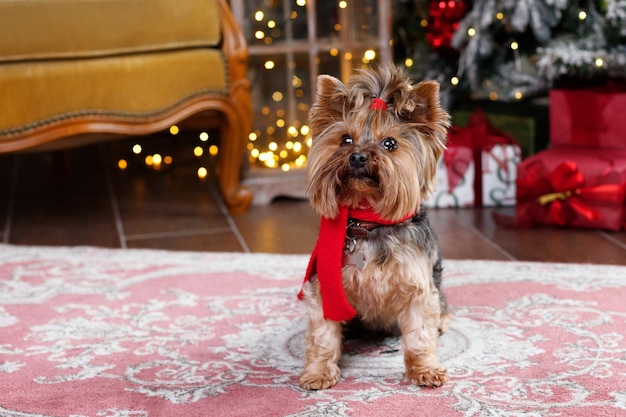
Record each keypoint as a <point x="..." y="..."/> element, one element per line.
<point x="346" y="140"/>
<point x="390" y="144"/>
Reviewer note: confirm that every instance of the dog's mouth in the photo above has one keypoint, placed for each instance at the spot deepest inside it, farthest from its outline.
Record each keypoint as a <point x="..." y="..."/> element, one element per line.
<point x="357" y="186"/>
<point x="363" y="175"/>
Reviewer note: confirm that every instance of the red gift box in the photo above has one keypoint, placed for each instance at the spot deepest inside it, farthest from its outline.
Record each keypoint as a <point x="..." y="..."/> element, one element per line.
<point x="573" y="187"/>
<point x="588" y="117"/>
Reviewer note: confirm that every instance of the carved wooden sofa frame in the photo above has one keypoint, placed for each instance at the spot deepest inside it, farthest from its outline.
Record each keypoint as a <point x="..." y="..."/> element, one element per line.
<point x="29" y="130"/>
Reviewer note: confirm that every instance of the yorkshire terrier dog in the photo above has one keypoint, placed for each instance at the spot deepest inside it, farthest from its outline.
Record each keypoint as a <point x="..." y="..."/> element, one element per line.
<point x="372" y="162"/>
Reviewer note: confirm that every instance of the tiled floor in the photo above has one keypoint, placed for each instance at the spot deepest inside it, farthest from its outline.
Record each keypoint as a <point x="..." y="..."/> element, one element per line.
<point x="95" y="203"/>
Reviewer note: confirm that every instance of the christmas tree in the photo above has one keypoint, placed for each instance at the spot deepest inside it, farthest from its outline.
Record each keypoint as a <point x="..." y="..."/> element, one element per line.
<point x="510" y="50"/>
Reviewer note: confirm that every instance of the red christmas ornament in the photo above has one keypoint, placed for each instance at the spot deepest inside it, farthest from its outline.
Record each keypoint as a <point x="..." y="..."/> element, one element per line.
<point x="443" y="21"/>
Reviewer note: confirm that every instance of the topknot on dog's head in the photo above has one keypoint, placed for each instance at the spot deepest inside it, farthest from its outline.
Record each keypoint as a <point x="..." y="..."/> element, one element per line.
<point x="409" y="103"/>
<point x="389" y="83"/>
<point x="418" y="104"/>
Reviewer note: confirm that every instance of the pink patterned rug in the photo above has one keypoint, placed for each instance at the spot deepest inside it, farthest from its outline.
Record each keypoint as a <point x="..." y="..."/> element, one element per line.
<point x="133" y="333"/>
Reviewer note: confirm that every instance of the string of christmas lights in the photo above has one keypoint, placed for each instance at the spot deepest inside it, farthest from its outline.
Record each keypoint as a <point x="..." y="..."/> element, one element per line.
<point x="510" y="50"/>
<point x="281" y="83"/>
<point x="281" y="138"/>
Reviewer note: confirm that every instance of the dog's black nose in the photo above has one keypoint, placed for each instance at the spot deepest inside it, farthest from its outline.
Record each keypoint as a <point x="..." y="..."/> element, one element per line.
<point x="358" y="160"/>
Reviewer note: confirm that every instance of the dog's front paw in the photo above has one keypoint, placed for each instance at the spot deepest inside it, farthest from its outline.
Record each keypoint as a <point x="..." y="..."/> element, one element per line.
<point x="320" y="380"/>
<point x="427" y="377"/>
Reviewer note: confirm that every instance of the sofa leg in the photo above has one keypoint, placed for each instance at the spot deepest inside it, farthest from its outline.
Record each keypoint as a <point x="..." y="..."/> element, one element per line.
<point x="233" y="140"/>
<point x="237" y="198"/>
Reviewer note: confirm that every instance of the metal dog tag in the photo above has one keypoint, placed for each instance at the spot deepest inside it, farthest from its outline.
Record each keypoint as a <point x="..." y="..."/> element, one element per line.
<point x="359" y="259"/>
<point x="356" y="258"/>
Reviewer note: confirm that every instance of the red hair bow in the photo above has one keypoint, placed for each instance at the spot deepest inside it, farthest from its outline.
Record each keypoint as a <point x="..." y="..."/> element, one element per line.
<point x="378" y="104"/>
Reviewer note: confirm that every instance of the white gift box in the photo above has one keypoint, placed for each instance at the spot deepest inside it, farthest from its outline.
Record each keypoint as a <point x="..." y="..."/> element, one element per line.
<point x="498" y="176"/>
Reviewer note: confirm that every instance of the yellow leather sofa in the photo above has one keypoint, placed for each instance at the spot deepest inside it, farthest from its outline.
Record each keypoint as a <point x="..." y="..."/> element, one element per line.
<point x="77" y="71"/>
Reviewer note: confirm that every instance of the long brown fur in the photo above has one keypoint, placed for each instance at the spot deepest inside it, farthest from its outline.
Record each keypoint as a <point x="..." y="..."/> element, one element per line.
<point x="399" y="285"/>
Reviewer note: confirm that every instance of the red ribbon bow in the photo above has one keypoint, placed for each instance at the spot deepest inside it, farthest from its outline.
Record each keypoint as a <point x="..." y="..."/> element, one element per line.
<point x="563" y="193"/>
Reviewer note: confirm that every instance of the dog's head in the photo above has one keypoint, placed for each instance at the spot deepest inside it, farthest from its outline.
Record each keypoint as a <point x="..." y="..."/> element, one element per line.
<point x="376" y="142"/>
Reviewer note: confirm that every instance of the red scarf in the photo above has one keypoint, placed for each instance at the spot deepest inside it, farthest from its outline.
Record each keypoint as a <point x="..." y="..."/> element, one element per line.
<point x="327" y="256"/>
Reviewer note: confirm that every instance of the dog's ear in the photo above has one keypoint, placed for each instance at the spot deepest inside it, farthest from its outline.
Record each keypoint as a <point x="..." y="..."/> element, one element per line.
<point x="428" y="115"/>
<point x="329" y="105"/>
<point x="427" y="109"/>
<point x="423" y="108"/>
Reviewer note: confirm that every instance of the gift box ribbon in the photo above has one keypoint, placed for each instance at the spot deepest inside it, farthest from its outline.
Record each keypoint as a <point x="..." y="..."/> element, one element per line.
<point x="565" y="192"/>
<point x="468" y="143"/>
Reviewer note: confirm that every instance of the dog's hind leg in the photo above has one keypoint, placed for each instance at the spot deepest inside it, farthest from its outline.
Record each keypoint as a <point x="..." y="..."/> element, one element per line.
<point x="445" y="316"/>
